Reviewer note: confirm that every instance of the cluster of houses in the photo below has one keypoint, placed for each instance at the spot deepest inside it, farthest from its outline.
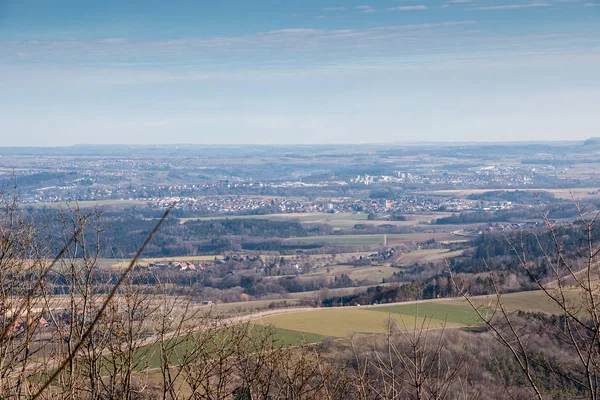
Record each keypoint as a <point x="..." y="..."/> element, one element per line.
<point x="198" y="266"/>
<point x="23" y="323"/>
<point x="178" y="265"/>
<point x="517" y="226"/>
<point x="270" y="266"/>
<point x="380" y="255"/>
<point x="247" y="204"/>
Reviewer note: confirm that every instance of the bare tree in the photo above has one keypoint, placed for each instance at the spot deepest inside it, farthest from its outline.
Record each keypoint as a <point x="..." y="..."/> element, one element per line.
<point x="24" y="341"/>
<point x="409" y="364"/>
<point x="571" y="285"/>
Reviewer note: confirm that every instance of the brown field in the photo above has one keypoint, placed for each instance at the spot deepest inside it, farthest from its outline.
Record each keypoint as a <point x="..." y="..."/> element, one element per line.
<point x="249" y="307"/>
<point x="408" y="238"/>
<point x="527" y="301"/>
<point x="425" y="256"/>
<point x="348" y="220"/>
<point x="393" y="239"/>
<point x="583" y="171"/>
<point x="372" y="273"/>
<point x="578" y="193"/>
<point x="88" y="204"/>
<point x="337" y="220"/>
<point x="109" y="262"/>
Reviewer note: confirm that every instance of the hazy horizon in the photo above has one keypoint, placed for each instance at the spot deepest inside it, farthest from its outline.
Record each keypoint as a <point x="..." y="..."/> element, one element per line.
<point x="376" y="144"/>
<point x="311" y="72"/>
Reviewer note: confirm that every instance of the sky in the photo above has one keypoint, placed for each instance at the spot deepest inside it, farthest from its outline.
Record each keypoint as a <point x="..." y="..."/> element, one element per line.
<point x="297" y="71"/>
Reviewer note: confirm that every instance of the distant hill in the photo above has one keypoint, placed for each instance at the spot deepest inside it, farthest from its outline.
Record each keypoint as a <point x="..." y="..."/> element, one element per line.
<point x="595" y="141"/>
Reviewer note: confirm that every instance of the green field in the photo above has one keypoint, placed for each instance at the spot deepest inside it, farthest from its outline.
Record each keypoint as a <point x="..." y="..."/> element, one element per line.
<point x="459" y="314"/>
<point x="288" y="337"/>
<point x="281" y="337"/>
<point x="341" y="322"/>
<point x="337" y="322"/>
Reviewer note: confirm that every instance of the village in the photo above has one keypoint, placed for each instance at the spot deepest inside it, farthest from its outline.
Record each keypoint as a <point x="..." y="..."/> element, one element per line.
<point x="242" y="205"/>
<point x="269" y="265"/>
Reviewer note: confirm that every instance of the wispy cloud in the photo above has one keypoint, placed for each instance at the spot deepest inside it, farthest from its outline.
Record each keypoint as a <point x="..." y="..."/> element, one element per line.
<point x="365" y="9"/>
<point x="136" y="50"/>
<point x="590" y="5"/>
<point x="278" y="50"/>
<point x="407" y="8"/>
<point x="334" y="9"/>
<point x="509" y="6"/>
<point x="113" y="40"/>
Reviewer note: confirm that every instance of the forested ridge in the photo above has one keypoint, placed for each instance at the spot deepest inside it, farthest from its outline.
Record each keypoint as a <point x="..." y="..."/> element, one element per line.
<point x="123" y="233"/>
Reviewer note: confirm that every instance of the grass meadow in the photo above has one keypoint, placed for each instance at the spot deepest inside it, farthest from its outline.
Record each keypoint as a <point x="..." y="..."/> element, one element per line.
<point x="341" y="322"/>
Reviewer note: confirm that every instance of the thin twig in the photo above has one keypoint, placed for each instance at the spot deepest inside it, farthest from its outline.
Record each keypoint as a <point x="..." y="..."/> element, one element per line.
<point x="38" y="283"/>
<point x="104" y="305"/>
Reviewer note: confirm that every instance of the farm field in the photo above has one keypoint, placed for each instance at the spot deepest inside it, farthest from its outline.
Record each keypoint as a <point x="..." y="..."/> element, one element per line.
<point x="109" y="262"/>
<point x="288" y="337"/>
<point x="371" y="272"/>
<point x="249" y="307"/>
<point x="348" y="220"/>
<point x="281" y="337"/>
<point x="184" y="220"/>
<point x="393" y="239"/>
<point x="337" y="322"/>
<point x="558" y="193"/>
<point x="337" y="221"/>
<point x="428" y="255"/>
<point x="527" y="301"/>
<point x="583" y="171"/>
<point x="341" y="322"/>
<point x="87" y="204"/>
<point x="454" y="314"/>
<point x="579" y="193"/>
<point x="400" y="238"/>
<point x="340" y="240"/>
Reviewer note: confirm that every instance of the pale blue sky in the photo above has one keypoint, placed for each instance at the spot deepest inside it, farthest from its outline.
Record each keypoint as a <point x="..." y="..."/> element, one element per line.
<point x="297" y="71"/>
